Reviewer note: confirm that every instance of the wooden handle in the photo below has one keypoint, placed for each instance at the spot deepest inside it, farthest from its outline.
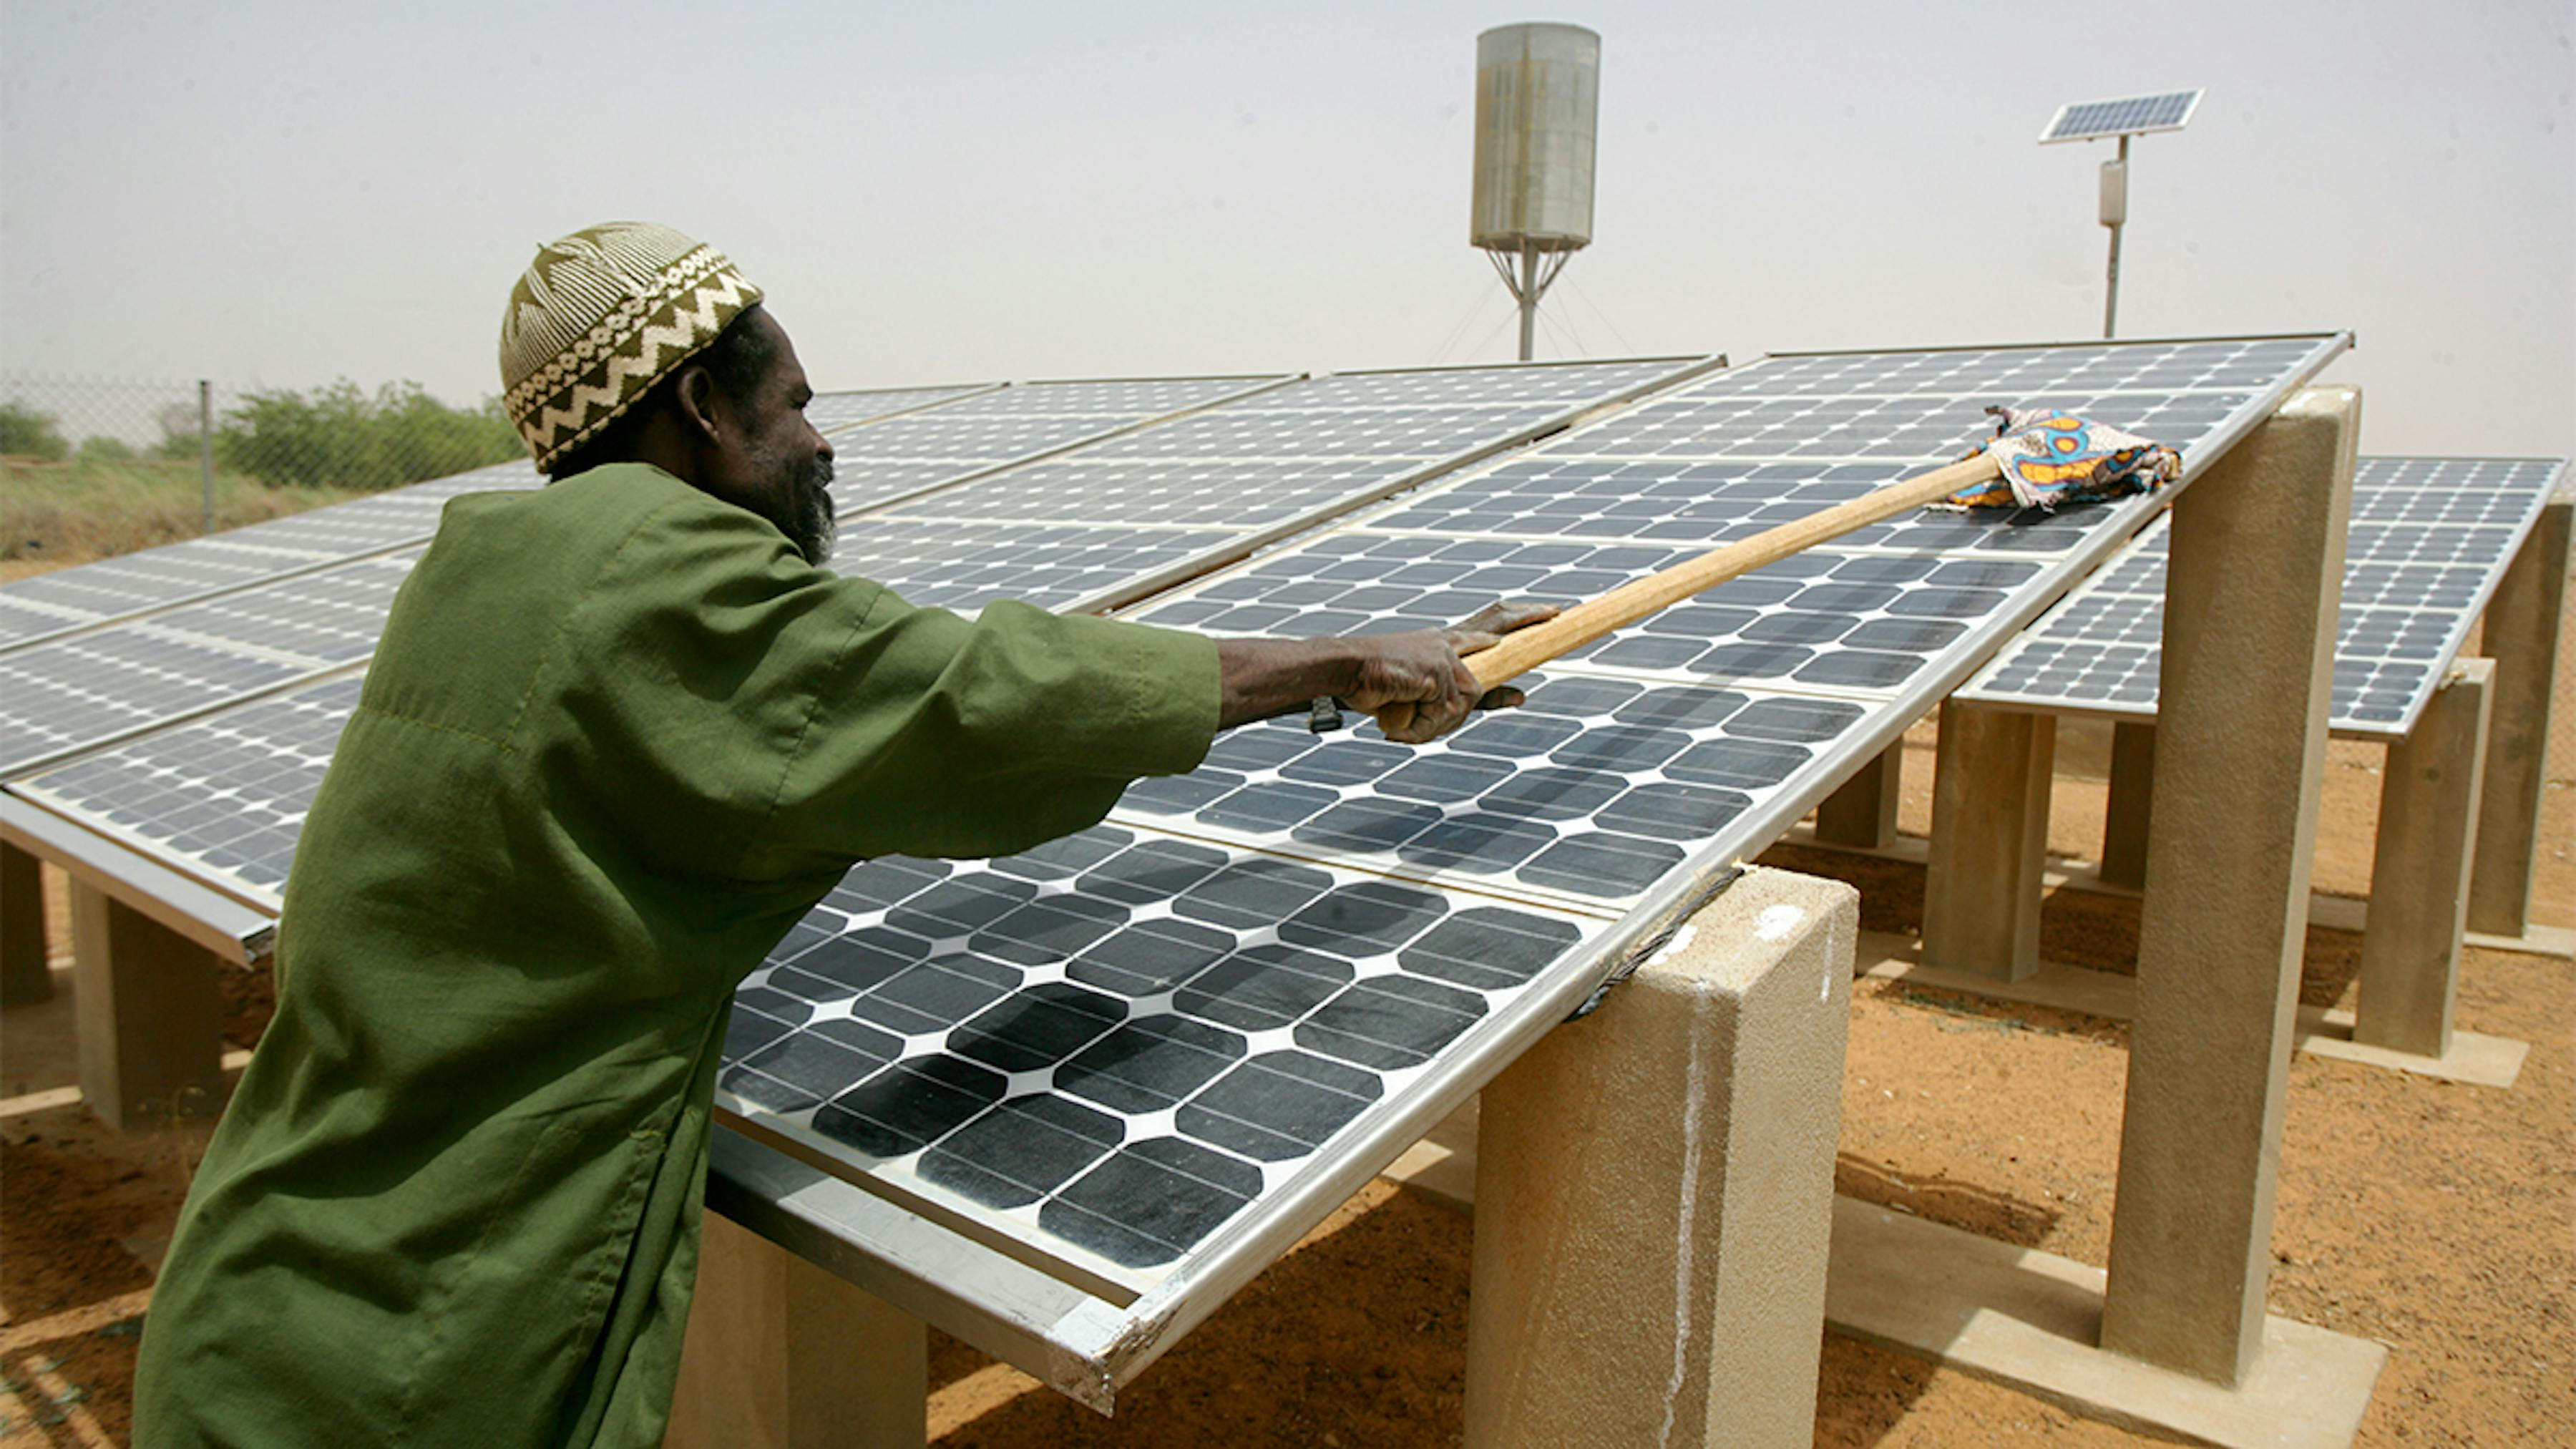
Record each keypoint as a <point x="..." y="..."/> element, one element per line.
<point x="1526" y="649"/>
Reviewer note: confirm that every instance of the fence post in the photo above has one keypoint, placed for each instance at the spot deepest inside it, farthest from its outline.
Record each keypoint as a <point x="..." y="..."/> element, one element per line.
<point x="206" y="447"/>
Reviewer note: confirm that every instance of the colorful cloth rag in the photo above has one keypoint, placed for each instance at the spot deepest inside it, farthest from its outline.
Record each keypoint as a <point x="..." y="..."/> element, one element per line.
<point x="2052" y="458"/>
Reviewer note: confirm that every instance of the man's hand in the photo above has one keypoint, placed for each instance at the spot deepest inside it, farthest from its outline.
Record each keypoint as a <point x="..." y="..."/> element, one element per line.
<point x="1418" y="685"/>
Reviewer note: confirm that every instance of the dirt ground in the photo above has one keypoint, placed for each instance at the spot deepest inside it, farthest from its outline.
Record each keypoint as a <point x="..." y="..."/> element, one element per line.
<point x="2436" y="1218"/>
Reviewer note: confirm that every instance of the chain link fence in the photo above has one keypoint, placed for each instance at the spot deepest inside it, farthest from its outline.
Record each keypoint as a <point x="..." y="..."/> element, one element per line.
<point x="94" y="466"/>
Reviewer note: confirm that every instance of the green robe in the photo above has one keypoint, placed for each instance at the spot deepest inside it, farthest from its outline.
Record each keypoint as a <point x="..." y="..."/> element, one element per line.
<point x="618" y="739"/>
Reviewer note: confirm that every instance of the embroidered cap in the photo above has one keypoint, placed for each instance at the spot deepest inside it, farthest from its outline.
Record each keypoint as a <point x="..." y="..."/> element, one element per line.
<point x="599" y="317"/>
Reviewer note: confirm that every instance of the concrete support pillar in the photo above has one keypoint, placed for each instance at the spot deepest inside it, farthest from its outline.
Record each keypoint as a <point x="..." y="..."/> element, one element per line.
<point x="1654" y="1192"/>
<point x="2249" y="632"/>
<point x="2522" y="639"/>
<point x="781" y="1354"/>
<point x="1861" y="815"/>
<point x="2428" y="802"/>
<point x="2130" y="805"/>
<point x="23" y="974"/>
<point x="1981" y="894"/>
<point x="148" y="1014"/>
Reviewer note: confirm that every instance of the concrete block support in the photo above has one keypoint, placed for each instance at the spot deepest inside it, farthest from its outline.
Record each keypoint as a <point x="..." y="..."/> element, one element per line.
<point x="2130" y="805"/>
<point x="1654" y="1192"/>
<point x="23" y="975"/>
<point x="782" y="1354"/>
<point x="2428" y="800"/>
<point x="148" y="1014"/>
<point x="2249" y="631"/>
<point x="1861" y="815"/>
<point x="2522" y="638"/>
<point x="1981" y="893"/>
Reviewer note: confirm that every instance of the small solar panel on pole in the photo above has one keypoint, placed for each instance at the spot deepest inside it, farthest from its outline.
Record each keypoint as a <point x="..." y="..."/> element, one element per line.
<point x="2118" y="119"/>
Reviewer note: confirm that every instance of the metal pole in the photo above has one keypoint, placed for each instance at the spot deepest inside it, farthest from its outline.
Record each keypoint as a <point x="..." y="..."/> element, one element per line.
<point x="1529" y="299"/>
<point x="206" y="447"/>
<point x="2111" y="292"/>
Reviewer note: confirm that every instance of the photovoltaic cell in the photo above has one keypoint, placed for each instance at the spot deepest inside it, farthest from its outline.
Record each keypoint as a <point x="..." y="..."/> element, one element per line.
<point x="2429" y="540"/>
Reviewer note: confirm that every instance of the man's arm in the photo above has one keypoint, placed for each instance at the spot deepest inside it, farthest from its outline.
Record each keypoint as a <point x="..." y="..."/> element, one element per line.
<point x="1417" y="685"/>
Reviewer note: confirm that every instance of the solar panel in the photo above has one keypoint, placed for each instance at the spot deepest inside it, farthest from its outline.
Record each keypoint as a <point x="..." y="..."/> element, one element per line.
<point x="152" y="580"/>
<point x="1129" y="1056"/>
<point x="2429" y="540"/>
<point x="903" y="455"/>
<point x="1285" y="458"/>
<point x="1120" y="1041"/>
<point x="2127" y="116"/>
<point x="88" y="690"/>
<point x="226" y="795"/>
<point x="966" y="566"/>
<point x="1094" y="548"/>
<point x="830" y="412"/>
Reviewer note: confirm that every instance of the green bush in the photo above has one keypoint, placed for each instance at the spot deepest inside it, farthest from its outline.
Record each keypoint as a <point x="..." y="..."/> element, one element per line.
<point x="106" y="450"/>
<point x="341" y="437"/>
<point x="27" y="433"/>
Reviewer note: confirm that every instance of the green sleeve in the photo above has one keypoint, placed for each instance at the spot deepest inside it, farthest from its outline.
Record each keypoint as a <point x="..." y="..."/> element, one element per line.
<point x="771" y="718"/>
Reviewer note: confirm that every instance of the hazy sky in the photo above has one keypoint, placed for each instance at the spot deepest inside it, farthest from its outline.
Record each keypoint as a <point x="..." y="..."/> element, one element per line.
<point x="282" y="194"/>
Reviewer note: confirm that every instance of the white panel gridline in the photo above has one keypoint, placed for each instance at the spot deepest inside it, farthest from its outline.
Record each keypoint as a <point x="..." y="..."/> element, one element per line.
<point x="2429" y="540"/>
<point x="1096" y="552"/>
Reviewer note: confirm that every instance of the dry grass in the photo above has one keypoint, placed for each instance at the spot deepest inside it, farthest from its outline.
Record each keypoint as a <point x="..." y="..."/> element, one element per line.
<point x="88" y="508"/>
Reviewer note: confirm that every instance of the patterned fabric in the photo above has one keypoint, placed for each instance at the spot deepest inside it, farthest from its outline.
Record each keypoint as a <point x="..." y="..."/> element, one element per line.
<point x="2051" y="458"/>
<point x="599" y="317"/>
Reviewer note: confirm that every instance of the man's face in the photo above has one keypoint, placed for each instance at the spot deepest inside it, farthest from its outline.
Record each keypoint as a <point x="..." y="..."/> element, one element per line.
<point x="782" y="468"/>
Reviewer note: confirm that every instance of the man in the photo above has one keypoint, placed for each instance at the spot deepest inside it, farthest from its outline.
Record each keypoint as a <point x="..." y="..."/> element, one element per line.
<point x="621" y="733"/>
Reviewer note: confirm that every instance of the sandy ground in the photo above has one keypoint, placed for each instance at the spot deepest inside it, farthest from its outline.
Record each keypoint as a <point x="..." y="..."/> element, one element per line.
<point x="2438" y="1219"/>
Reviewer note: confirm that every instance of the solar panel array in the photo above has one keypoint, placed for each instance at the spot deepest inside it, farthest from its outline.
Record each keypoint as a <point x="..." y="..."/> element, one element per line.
<point x="2127" y="116"/>
<point x="1115" y="1055"/>
<point x="1093" y="545"/>
<point x="1122" y="1053"/>
<point x="2429" y="540"/>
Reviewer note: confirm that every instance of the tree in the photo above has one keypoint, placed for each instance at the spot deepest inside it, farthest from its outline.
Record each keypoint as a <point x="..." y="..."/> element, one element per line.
<point x="27" y="433"/>
<point x="340" y="436"/>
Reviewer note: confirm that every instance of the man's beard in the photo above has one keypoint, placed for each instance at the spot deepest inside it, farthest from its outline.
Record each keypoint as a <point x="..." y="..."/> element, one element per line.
<point x="808" y="506"/>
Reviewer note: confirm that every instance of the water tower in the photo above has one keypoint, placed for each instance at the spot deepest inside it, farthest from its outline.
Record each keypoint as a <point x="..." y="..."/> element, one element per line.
<point x="1538" y="97"/>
